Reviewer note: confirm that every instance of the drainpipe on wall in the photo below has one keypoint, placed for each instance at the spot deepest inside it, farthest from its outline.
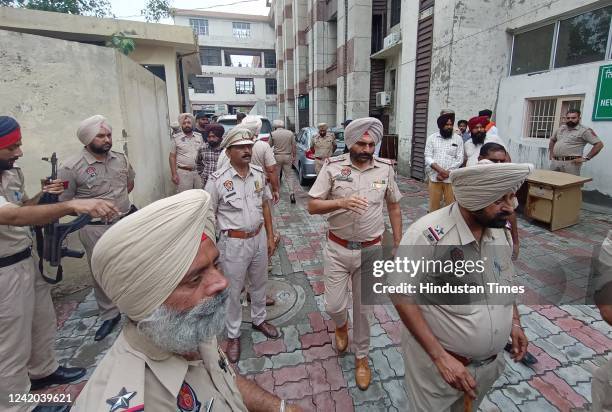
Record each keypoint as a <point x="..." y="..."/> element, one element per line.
<point x="344" y="68"/>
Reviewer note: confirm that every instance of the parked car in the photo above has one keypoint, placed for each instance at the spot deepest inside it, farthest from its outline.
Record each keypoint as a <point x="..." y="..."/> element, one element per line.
<point x="229" y="121"/>
<point x="304" y="159"/>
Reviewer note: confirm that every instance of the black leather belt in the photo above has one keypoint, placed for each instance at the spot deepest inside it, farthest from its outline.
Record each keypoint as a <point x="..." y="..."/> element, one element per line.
<point x="16" y="258"/>
<point x="565" y="158"/>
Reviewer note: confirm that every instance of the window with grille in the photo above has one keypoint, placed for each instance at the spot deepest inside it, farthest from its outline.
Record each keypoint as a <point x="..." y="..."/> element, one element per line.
<point x="580" y="39"/>
<point x="270" y="59"/>
<point x="210" y="56"/>
<point x="245" y="86"/>
<point x="199" y="26"/>
<point x="241" y="30"/>
<point x="270" y="86"/>
<point x="546" y="114"/>
<point x="203" y="84"/>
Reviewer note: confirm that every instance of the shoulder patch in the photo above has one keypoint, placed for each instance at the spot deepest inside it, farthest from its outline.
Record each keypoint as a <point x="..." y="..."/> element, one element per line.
<point x="592" y="132"/>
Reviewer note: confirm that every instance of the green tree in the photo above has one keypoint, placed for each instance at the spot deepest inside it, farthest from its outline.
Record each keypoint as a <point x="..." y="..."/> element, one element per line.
<point x="122" y="43"/>
<point x="155" y="10"/>
<point x="97" y="8"/>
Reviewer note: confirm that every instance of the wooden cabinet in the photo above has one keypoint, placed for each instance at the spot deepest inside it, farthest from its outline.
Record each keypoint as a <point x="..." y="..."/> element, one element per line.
<point x="554" y="198"/>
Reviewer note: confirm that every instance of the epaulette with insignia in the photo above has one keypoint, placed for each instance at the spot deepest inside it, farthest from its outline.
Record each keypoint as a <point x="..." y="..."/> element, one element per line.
<point x="383" y="160"/>
<point x="434" y="233"/>
<point x="71" y="162"/>
<point x="215" y="175"/>
<point x="258" y="168"/>
<point x="337" y="158"/>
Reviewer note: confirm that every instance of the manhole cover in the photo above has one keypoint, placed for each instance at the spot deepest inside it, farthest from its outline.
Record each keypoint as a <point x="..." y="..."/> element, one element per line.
<point x="289" y="301"/>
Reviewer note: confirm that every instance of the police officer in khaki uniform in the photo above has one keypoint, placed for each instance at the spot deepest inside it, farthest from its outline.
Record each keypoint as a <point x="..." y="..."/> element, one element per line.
<point x="98" y="172"/>
<point x="323" y="145"/>
<point x="184" y="148"/>
<point x="240" y="201"/>
<point x="566" y="146"/>
<point x="601" y="388"/>
<point x="352" y="188"/>
<point x="158" y="266"/>
<point x="283" y="143"/>
<point x="27" y="321"/>
<point x="454" y="352"/>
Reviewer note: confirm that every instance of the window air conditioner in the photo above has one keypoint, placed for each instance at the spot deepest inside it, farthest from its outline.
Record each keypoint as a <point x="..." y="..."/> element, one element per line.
<point x="383" y="99"/>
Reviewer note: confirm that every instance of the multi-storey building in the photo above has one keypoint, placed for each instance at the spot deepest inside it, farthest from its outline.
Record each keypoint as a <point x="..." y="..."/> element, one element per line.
<point x="238" y="61"/>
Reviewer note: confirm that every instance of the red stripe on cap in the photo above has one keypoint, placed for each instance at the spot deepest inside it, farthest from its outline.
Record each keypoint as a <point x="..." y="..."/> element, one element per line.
<point x="10" y="139"/>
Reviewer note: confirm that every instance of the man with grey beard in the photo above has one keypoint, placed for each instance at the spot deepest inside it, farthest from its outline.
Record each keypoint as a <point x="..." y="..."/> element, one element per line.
<point x="159" y="266"/>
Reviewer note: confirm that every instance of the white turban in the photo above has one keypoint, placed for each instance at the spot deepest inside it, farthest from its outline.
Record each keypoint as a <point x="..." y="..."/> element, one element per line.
<point x="358" y="127"/>
<point x="90" y="127"/>
<point x="253" y="123"/>
<point x="278" y="123"/>
<point x="479" y="186"/>
<point x="320" y="125"/>
<point x="142" y="258"/>
<point x="182" y="117"/>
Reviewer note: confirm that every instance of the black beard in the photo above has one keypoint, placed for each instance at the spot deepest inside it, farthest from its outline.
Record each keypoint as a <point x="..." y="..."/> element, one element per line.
<point x="187" y="130"/>
<point x="570" y="124"/>
<point x="213" y="144"/>
<point x="7" y="164"/>
<point x="496" y="222"/>
<point x="362" y="157"/>
<point x="478" y="138"/>
<point x="99" y="149"/>
<point x="445" y="133"/>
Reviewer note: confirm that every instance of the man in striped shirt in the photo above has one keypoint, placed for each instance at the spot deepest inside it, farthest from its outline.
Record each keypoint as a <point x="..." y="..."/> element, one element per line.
<point x="206" y="161"/>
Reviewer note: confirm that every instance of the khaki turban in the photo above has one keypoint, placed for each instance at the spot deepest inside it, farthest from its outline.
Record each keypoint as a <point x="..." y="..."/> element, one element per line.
<point x="253" y="123"/>
<point x="278" y="123"/>
<point x="90" y="127"/>
<point x="479" y="186"/>
<point x="182" y="117"/>
<point x="358" y="127"/>
<point x="142" y="258"/>
<point x="320" y="125"/>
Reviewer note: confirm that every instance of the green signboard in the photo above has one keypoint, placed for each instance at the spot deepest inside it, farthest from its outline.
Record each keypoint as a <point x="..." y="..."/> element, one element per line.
<point x="603" y="94"/>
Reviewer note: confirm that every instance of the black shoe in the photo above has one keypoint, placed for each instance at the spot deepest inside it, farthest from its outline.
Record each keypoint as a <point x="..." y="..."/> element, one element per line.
<point x="107" y="327"/>
<point x="49" y="408"/>
<point x="60" y="376"/>
<point x="292" y="198"/>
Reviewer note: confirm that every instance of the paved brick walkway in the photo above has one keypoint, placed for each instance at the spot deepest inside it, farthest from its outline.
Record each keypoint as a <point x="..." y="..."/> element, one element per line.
<point x="568" y="340"/>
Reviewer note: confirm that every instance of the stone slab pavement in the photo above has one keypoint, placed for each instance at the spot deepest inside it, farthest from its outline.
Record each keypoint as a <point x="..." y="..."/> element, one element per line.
<point x="569" y="340"/>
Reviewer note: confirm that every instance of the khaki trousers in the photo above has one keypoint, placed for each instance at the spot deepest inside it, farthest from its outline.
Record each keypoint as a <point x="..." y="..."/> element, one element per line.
<point x="89" y="236"/>
<point x="428" y="391"/>
<point x="566" y="166"/>
<point x="284" y="162"/>
<point x="239" y="259"/>
<point x="319" y="165"/>
<point x="188" y="180"/>
<point x="601" y="388"/>
<point x="437" y="191"/>
<point x="341" y="267"/>
<point x="27" y="331"/>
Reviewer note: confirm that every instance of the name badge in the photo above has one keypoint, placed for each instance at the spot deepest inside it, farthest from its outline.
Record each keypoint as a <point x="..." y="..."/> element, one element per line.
<point x="379" y="185"/>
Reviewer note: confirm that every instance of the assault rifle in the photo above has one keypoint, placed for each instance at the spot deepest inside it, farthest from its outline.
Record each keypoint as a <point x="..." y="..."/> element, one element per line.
<point x="50" y="237"/>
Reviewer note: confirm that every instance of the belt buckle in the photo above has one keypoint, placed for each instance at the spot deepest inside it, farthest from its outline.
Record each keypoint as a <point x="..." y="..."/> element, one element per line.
<point x="351" y="245"/>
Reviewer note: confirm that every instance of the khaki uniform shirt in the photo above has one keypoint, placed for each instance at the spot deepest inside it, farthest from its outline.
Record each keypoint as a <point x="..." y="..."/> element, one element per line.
<point x="323" y="146"/>
<point x="262" y="155"/>
<point x="186" y="148"/>
<point x="13" y="239"/>
<point x="282" y="141"/>
<point x="89" y="178"/>
<point x="144" y="377"/>
<point x="339" y="178"/>
<point x="476" y="331"/>
<point x="238" y="202"/>
<point x="571" y="142"/>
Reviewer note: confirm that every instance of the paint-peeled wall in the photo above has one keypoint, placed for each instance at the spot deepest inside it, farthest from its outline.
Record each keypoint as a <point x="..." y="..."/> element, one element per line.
<point x="50" y="85"/>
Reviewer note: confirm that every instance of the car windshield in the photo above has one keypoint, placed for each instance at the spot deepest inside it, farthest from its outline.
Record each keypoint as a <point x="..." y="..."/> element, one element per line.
<point x="228" y="123"/>
<point x="340" y="136"/>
